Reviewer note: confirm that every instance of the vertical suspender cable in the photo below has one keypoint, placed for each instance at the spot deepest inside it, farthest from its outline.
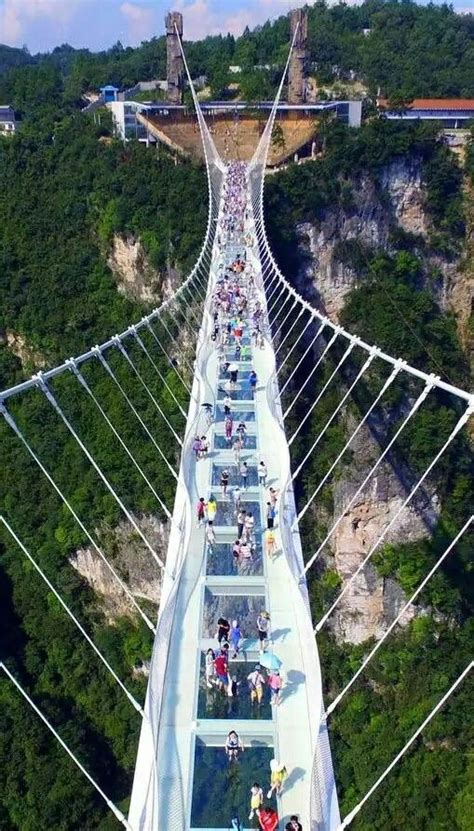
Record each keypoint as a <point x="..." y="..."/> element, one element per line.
<point x="71" y="614"/>
<point x="121" y="818"/>
<point x="12" y="423"/>
<point x="52" y="400"/>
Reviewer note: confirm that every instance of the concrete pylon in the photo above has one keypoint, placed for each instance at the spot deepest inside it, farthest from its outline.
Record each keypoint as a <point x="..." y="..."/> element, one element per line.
<point x="174" y="60"/>
<point x="299" y="57"/>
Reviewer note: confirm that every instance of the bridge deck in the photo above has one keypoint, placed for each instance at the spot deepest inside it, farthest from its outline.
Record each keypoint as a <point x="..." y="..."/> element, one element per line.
<point x="192" y="784"/>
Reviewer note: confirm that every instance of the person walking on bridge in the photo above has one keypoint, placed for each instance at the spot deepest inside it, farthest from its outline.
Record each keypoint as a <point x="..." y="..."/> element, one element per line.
<point x="253" y="382"/>
<point x="224" y="481"/>
<point x="201" y="511"/>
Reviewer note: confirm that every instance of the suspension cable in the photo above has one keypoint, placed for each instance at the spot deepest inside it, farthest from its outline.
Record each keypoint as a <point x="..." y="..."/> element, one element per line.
<point x="319" y="331"/>
<point x="86" y="386"/>
<point x="331" y="418"/>
<point x="397" y="620"/>
<point x="121" y="818"/>
<point x="323" y="390"/>
<point x="300" y="313"/>
<point x="352" y="814"/>
<point x="121" y="348"/>
<point x="426" y="390"/>
<point x="460" y="424"/>
<point x="157" y="370"/>
<point x="12" y="423"/>
<point x="380" y="395"/>
<point x="52" y="400"/>
<point x="314" y="369"/>
<point x="74" y="619"/>
<point x="150" y="435"/>
<point x="153" y="333"/>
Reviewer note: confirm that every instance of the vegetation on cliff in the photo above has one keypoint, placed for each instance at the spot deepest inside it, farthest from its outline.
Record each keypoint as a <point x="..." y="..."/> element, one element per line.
<point x="392" y="305"/>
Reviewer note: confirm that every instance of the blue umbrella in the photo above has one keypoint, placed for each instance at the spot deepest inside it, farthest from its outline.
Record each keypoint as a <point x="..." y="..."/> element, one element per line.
<point x="269" y="661"/>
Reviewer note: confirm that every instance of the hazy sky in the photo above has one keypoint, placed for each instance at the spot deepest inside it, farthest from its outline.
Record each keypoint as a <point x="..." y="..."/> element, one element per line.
<point x="97" y="24"/>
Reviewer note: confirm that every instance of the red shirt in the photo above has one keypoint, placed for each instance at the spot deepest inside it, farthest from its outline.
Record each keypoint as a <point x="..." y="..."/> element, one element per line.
<point x="220" y="664"/>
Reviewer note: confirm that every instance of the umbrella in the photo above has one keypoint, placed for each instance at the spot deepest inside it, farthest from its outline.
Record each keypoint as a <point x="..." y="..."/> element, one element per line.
<point x="269" y="661"/>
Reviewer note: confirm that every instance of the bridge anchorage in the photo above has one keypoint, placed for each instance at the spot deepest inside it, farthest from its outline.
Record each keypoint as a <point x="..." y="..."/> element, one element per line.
<point x="234" y="611"/>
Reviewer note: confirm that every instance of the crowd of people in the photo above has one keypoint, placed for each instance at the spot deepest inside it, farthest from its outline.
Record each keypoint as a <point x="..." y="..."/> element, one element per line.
<point x="237" y="327"/>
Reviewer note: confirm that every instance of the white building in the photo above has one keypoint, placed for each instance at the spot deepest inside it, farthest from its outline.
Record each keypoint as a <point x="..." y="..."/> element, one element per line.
<point x="7" y="120"/>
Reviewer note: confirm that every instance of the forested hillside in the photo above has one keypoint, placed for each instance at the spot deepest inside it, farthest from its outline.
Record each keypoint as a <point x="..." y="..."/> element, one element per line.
<point x="409" y="51"/>
<point x="66" y="188"/>
<point x="394" y="304"/>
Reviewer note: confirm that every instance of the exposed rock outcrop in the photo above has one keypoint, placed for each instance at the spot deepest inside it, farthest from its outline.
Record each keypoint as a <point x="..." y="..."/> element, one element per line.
<point x="396" y="200"/>
<point x="29" y="357"/>
<point x="135" y="277"/>
<point x="132" y="561"/>
<point x="371" y="602"/>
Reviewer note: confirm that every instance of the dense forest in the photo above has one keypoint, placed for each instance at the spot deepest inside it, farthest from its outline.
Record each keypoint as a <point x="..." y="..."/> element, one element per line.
<point x="433" y="787"/>
<point x="66" y="187"/>
<point x="410" y="50"/>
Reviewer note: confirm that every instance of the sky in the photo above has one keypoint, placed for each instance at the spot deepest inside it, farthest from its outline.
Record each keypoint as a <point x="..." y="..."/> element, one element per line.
<point x="97" y="24"/>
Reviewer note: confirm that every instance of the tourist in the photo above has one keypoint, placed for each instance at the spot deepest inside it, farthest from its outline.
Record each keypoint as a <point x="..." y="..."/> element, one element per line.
<point x="256" y="799"/>
<point x="268" y="819"/>
<point x="197" y="447"/>
<point x="294" y="824"/>
<point x="210" y="536"/>
<point x="244" y="472"/>
<point x="210" y="669"/>
<point x="273" y="495"/>
<point x="237" y="449"/>
<point x="228" y="424"/>
<point x="277" y="777"/>
<point x="233" y="746"/>
<point x="227" y="402"/>
<point x="270" y="542"/>
<point x="204" y="449"/>
<point x="241" y="432"/>
<point x="270" y="515"/>
<point x="235" y="638"/>
<point x="275" y="684"/>
<point x="223" y="629"/>
<point x="249" y="524"/>
<point x="221" y="668"/>
<point x="224" y="481"/>
<point x="201" y="511"/>
<point x="233" y="372"/>
<point x="262" y="473"/>
<point x="240" y="523"/>
<point x="256" y="682"/>
<point x="263" y="629"/>
<point x="211" y="508"/>
<point x="253" y="381"/>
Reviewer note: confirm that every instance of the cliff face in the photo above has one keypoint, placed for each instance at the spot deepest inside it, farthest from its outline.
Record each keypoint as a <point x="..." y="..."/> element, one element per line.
<point x="131" y="560"/>
<point x="396" y="201"/>
<point x="371" y="602"/>
<point x="135" y="276"/>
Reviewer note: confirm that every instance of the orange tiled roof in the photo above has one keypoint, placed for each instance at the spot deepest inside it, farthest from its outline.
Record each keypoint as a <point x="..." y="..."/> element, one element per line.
<point x="435" y="104"/>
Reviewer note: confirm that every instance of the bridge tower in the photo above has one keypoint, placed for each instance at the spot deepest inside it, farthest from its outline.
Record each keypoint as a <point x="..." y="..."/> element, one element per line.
<point x="298" y="60"/>
<point x="174" y="59"/>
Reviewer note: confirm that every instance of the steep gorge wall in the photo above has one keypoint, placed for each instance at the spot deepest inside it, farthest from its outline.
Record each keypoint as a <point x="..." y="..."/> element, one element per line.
<point x="397" y="200"/>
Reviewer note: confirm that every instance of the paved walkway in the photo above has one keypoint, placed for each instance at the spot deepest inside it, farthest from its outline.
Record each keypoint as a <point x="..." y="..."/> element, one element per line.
<point x="192" y="785"/>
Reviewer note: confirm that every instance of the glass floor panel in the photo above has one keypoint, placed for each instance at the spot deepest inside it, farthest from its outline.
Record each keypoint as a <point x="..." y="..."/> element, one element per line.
<point x="213" y="703"/>
<point x="234" y="477"/>
<point x="221" y="562"/>
<point x="242" y="394"/>
<point x="244" y="608"/>
<point x="227" y="515"/>
<point x="238" y="415"/>
<point x="220" y="443"/>
<point x="222" y="790"/>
